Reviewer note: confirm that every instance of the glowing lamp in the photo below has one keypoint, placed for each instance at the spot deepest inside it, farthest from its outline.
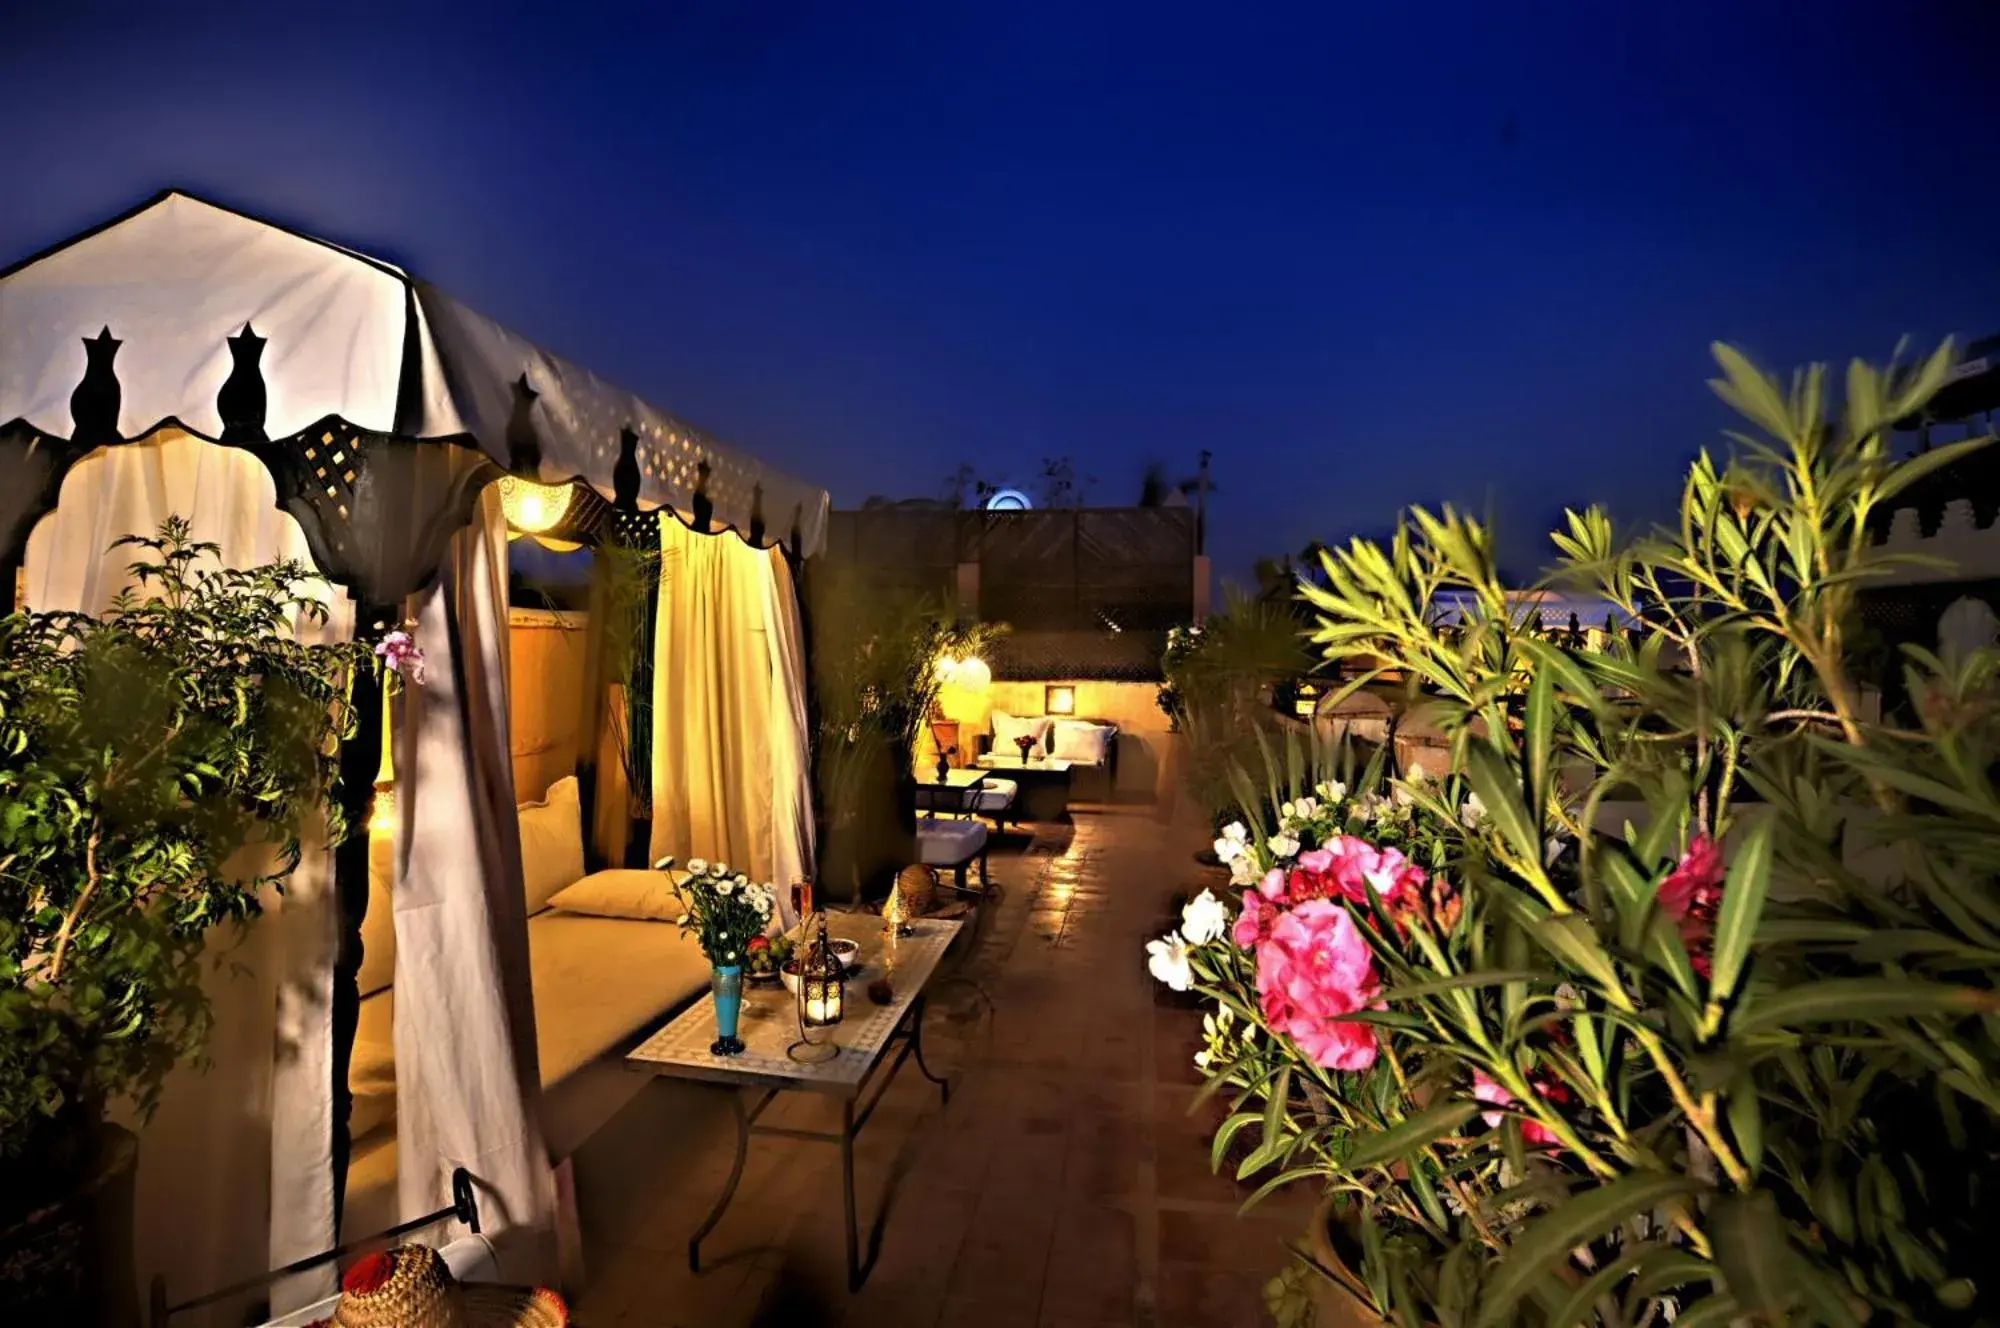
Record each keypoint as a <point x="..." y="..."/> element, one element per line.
<point x="973" y="675"/>
<point x="1059" y="699"/>
<point x="532" y="508"/>
<point x="1305" y="700"/>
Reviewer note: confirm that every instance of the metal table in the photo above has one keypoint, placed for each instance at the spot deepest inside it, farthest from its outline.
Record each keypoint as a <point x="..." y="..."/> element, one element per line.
<point x="857" y="1077"/>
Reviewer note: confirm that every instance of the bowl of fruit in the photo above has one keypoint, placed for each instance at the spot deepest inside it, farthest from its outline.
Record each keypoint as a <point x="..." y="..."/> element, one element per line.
<point x="766" y="956"/>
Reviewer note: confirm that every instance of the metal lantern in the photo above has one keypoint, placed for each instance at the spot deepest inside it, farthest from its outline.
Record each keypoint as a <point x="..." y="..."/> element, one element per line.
<point x="822" y="999"/>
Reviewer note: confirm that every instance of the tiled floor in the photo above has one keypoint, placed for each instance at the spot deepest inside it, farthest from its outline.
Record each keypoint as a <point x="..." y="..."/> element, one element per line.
<point x="1065" y="1185"/>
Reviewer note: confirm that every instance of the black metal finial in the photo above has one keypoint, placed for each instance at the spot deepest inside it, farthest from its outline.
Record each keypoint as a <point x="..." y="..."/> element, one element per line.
<point x="524" y="448"/>
<point x="242" y="400"/>
<point x="94" y="405"/>
<point x="625" y="475"/>
<point x="704" y="506"/>
<point x="757" y="514"/>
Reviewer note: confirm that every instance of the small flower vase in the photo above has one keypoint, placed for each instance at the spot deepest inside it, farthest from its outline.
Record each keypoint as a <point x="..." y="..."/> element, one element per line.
<point x="1025" y="744"/>
<point x="726" y="981"/>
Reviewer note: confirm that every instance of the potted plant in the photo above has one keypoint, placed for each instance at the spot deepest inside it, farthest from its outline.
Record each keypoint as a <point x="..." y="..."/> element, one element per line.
<point x="159" y="764"/>
<point x="877" y="673"/>
<point x="1728" y="1055"/>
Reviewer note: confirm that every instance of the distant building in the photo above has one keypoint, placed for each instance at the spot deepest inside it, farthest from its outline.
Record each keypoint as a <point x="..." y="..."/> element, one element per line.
<point x="1949" y="515"/>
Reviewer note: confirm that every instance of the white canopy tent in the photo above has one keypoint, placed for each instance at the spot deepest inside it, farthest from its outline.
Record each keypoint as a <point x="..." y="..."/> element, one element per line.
<point x="381" y="411"/>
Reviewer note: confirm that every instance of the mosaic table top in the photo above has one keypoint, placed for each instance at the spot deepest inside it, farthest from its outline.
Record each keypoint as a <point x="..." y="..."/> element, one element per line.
<point x="769" y="1023"/>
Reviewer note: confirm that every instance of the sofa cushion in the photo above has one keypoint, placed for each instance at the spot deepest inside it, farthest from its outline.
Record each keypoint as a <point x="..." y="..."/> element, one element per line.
<point x="1006" y="728"/>
<point x="378" y="924"/>
<point x="949" y="843"/>
<point x="551" y="843"/>
<point x="1081" y="742"/>
<point x="645" y="896"/>
<point x="371" y="1069"/>
<point x="600" y="982"/>
<point x="995" y="795"/>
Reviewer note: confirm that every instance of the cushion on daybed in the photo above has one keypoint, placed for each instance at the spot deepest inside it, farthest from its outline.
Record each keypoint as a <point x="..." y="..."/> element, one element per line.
<point x="371" y="1068"/>
<point x="600" y="983"/>
<point x="1081" y="742"/>
<point x="644" y="896"/>
<point x="551" y="843"/>
<point x="378" y="924"/>
<point x="1006" y="728"/>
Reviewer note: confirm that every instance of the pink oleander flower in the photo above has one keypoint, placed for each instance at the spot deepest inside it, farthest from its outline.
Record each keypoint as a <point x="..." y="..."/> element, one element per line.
<point x="1344" y="868"/>
<point x="1533" y="1133"/>
<point x="400" y="652"/>
<point x="1253" y="924"/>
<point x="1691" y="896"/>
<point x="1312" y="968"/>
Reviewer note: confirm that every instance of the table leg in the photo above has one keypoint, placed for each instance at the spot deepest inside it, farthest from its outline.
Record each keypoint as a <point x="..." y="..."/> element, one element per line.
<point x="735" y="1178"/>
<point x="917" y="1046"/>
<point x="847" y="1193"/>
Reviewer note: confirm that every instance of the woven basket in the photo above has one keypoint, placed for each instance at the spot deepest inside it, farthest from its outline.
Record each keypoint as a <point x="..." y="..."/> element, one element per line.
<point x="917" y="884"/>
<point x="420" y="1292"/>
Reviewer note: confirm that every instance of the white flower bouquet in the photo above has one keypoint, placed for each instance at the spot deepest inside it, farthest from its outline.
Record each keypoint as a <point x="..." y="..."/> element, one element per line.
<point x="725" y="910"/>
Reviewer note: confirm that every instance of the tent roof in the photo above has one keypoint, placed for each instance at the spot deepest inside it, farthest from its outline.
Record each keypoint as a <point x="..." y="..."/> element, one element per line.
<point x="188" y="291"/>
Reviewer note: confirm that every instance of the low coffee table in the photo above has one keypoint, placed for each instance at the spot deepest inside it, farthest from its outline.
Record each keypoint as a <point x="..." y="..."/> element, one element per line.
<point x="862" y="1070"/>
<point x="1044" y="784"/>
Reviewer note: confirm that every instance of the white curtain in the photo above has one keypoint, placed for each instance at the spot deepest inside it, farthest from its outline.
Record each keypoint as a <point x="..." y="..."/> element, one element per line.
<point x="730" y="771"/>
<point x="248" y="1142"/>
<point x="467" y="1082"/>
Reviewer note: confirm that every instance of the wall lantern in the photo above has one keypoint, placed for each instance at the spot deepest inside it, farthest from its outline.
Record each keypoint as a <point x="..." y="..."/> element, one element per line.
<point x="1305" y="700"/>
<point x="1059" y="699"/>
<point x="534" y="509"/>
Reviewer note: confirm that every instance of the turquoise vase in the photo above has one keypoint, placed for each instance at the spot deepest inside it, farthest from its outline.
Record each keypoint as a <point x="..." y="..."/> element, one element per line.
<point x="726" y="981"/>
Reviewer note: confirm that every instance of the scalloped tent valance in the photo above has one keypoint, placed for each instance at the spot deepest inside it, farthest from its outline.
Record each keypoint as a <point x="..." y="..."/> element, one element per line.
<point x="347" y="376"/>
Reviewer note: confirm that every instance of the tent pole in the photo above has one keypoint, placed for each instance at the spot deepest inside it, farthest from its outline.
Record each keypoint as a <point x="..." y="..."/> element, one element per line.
<point x="360" y="758"/>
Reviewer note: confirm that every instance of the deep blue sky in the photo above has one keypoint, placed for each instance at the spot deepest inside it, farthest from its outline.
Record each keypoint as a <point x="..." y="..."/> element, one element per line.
<point x="1369" y="254"/>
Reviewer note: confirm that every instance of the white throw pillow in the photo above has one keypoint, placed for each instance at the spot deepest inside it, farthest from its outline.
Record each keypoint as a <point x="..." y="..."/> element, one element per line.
<point x="622" y="893"/>
<point x="1081" y="742"/>
<point x="1006" y="728"/>
<point x="551" y="843"/>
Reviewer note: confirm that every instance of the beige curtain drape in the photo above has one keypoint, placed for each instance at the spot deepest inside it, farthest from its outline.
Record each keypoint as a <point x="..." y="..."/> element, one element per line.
<point x="246" y="1146"/>
<point x="467" y="1082"/>
<point x="729" y="718"/>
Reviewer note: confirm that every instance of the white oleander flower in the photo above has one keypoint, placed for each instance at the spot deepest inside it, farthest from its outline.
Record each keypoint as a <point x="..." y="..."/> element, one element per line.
<point x="1242" y="871"/>
<point x="1167" y="958"/>
<point x="1283" y="846"/>
<point x="664" y="864"/>
<point x="725" y="888"/>
<point x="697" y="867"/>
<point x="1416" y="775"/>
<point x="1471" y="812"/>
<point x="720" y="869"/>
<point x="1332" y="790"/>
<point x="1205" y="918"/>
<point x="1235" y="842"/>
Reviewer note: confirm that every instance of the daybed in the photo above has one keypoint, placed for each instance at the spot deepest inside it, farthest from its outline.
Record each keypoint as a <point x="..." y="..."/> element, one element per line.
<point x="599" y="982"/>
<point x="1089" y="746"/>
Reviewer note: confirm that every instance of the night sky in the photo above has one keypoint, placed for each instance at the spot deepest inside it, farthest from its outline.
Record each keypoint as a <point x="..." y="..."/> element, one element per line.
<point x="1369" y="255"/>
